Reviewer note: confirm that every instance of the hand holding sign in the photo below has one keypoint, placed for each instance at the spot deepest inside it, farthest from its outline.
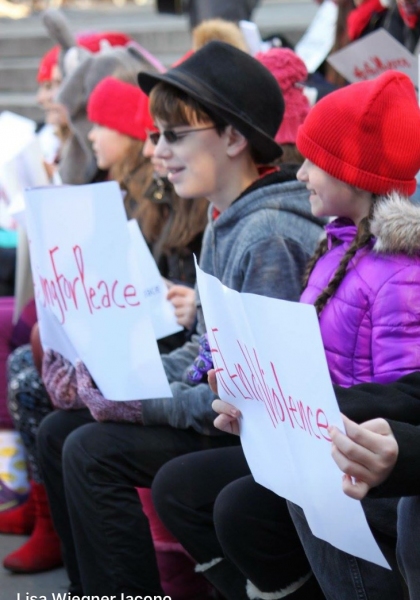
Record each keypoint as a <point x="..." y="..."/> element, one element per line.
<point x="227" y="420"/>
<point x="367" y="454"/>
<point x="182" y="299"/>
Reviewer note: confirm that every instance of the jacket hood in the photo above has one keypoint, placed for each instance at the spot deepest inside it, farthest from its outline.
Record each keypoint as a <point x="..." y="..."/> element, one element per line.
<point x="396" y="225"/>
<point x="275" y="191"/>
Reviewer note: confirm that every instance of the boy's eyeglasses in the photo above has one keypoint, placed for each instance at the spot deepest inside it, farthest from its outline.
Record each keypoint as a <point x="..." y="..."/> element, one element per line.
<point x="172" y="136"/>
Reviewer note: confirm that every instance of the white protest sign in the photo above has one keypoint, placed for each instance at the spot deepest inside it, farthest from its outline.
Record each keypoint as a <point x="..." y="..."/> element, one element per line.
<point x="49" y="142"/>
<point x="372" y="55"/>
<point x="270" y="363"/>
<point x="87" y="288"/>
<point x="18" y="131"/>
<point x="21" y="163"/>
<point x="316" y="43"/>
<point x="154" y="290"/>
<point x="252" y="37"/>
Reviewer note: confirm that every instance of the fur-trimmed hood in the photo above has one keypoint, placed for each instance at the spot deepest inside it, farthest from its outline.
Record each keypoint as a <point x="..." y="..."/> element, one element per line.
<point x="396" y="225"/>
<point x="370" y="326"/>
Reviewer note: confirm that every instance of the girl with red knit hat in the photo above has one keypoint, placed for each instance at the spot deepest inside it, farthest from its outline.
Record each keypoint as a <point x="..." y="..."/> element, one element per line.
<point x="362" y="150"/>
<point x="50" y="76"/>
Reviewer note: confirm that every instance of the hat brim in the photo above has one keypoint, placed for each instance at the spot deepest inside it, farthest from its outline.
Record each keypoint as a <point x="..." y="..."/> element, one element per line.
<point x="266" y="147"/>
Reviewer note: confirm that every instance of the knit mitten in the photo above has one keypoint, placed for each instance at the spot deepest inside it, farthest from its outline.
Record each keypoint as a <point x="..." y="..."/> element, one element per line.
<point x="197" y="372"/>
<point x="59" y="377"/>
<point x="102" y="409"/>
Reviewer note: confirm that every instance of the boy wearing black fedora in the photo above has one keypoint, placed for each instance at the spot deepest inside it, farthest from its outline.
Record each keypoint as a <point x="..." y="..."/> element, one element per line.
<point x="217" y="114"/>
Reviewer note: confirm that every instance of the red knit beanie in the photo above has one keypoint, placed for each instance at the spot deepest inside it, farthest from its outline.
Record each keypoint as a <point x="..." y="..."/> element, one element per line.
<point x="367" y="134"/>
<point x="94" y="41"/>
<point x="120" y="106"/>
<point x="47" y="64"/>
<point x="289" y="70"/>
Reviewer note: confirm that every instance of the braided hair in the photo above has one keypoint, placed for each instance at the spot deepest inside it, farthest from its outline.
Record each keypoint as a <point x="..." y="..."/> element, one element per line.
<point x="361" y="240"/>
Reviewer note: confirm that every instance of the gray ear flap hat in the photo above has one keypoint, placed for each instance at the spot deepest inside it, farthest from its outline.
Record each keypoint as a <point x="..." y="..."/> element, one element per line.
<point x="234" y="86"/>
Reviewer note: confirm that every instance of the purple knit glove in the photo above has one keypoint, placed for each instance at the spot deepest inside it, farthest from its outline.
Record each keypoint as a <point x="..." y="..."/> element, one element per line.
<point x="59" y="377"/>
<point x="197" y="372"/>
<point x="102" y="409"/>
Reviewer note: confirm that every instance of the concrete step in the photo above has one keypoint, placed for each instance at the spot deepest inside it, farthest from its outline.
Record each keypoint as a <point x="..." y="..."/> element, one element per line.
<point x="21" y="103"/>
<point x="24" y="41"/>
<point x="18" y="74"/>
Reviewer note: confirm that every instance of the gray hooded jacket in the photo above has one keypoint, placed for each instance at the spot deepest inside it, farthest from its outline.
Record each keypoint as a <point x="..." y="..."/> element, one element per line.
<point x="261" y="245"/>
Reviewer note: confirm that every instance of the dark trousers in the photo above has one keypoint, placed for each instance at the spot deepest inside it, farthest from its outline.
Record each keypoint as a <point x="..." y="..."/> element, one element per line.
<point x="236" y="529"/>
<point x="408" y="543"/>
<point x="90" y="471"/>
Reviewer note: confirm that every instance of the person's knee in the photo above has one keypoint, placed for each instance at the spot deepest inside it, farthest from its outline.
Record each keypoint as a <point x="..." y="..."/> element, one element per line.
<point x="227" y="518"/>
<point x="167" y="485"/>
<point x="48" y="435"/>
<point x="83" y="450"/>
<point x="53" y="432"/>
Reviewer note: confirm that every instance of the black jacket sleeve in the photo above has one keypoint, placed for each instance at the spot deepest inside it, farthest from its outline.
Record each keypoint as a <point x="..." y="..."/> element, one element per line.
<point x="405" y="477"/>
<point x="398" y="401"/>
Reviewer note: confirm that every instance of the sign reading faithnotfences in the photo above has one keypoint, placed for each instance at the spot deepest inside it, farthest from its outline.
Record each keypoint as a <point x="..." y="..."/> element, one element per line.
<point x="372" y="55"/>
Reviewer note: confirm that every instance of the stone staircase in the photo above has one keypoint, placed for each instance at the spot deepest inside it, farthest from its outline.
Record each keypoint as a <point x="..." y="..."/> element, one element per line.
<point x="24" y="41"/>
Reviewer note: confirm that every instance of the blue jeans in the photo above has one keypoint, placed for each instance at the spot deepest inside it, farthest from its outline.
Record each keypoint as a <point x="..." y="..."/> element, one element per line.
<point x="408" y="544"/>
<point x="344" y="577"/>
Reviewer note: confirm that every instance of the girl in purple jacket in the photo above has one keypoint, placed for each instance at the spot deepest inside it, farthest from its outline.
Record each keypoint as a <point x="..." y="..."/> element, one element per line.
<point x="362" y="150"/>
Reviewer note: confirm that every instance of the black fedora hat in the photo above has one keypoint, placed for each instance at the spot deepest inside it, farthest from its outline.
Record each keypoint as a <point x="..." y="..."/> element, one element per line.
<point x="235" y="87"/>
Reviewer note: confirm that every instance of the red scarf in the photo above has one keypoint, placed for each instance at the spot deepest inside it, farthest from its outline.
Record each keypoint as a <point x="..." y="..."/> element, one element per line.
<point x="359" y="18"/>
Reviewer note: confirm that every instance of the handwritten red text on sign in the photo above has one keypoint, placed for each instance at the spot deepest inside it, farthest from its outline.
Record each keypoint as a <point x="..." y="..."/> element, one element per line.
<point x="248" y="380"/>
<point x="63" y="293"/>
<point x="375" y="66"/>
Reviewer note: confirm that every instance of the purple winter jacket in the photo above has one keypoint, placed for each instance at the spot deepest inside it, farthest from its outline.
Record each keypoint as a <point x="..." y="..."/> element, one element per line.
<point x="371" y="326"/>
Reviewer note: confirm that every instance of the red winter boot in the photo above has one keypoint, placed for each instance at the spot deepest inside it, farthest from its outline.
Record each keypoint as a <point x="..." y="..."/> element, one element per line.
<point x="42" y="551"/>
<point x="19" y="520"/>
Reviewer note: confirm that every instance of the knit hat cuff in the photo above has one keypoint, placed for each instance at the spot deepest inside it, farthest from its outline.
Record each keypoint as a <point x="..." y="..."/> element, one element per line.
<point x="334" y="166"/>
<point x="47" y="64"/>
<point x="120" y="106"/>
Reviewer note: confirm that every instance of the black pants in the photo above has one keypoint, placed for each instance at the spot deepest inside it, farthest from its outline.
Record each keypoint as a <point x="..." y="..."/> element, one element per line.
<point x="90" y="471"/>
<point x="236" y="529"/>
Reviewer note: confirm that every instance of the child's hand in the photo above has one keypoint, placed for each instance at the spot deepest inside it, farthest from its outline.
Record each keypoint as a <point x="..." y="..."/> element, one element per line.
<point x="227" y="420"/>
<point x="183" y="300"/>
<point x="367" y="454"/>
<point x="102" y="409"/>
